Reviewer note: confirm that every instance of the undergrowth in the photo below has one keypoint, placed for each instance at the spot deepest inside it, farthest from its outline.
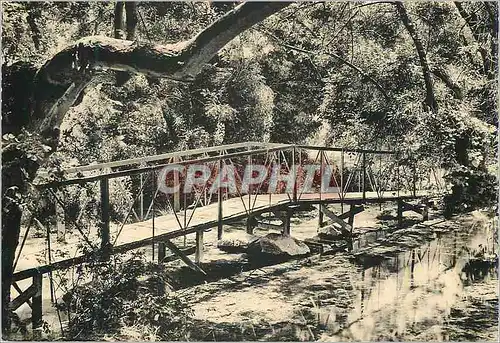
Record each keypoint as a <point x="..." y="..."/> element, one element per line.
<point x="126" y="300"/>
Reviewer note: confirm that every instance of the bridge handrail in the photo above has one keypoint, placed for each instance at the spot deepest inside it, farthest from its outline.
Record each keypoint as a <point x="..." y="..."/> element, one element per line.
<point x="366" y="151"/>
<point x="261" y="148"/>
<point x="140" y="170"/>
<point x="154" y="158"/>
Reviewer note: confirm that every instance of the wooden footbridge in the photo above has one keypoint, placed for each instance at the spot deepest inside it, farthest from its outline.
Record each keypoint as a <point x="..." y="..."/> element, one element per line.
<point x="115" y="207"/>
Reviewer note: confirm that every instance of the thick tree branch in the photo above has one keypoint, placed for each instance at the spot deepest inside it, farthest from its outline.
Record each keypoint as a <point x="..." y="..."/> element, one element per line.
<point x="430" y="99"/>
<point x="180" y="61"/>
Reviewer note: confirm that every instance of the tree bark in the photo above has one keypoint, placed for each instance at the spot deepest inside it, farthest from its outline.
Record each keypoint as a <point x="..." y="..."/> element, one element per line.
<point x="119" y="20"/>
<point x="34" y="14"/>
<point x="472" y="22"/>
<point x="131" y="10"/>
<point x="430" y="99"/>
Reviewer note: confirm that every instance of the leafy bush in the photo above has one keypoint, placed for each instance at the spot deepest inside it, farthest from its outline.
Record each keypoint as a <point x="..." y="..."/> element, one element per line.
<point x="126" y="300"/>
<point x="471" y="189"/>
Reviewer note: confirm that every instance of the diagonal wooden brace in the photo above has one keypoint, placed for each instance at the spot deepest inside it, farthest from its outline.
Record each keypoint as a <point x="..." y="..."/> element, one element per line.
<point x="19" y="290"/>
<point x="339" y="219"/>
<point x="334" y="218"/>
<point x="183" y="256"/>
<point x="420" y="209"/>
<point x="24" y="297"/>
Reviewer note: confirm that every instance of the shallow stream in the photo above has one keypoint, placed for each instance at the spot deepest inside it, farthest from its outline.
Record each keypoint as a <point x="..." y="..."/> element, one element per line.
<point x="431" y="292"/>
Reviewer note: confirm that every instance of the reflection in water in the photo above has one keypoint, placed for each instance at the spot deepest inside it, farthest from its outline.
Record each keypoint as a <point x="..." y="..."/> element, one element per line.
<point x="416" y="288"/>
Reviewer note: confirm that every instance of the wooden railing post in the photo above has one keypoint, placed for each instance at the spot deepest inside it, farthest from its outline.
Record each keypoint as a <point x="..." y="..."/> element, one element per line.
<point x="415" y="178"/>
<point x="363" y="177"/>
<point x="198" y="257"/>
<point x="105" y="239"/>
<point x="177" y="193"/>
<point x="286" y="222"/>
<point x="293" y="170"/>
<point x="219" y="204"/>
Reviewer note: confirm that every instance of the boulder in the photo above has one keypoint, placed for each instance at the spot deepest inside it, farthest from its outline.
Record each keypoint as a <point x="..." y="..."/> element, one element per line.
<point x="236" y="243"/>
<point x="278" y="245"/>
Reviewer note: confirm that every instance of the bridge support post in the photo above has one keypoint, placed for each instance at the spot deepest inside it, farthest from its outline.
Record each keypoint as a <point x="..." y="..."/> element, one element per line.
<point x="36" y="303"/>
<point x="162" y="251"/>
<point x="198" y="256"/>
<point x="400" y="213"/>
<point x="286" y="222"/>
<point x="320" y="217"/>
<point x="105" y="242"/>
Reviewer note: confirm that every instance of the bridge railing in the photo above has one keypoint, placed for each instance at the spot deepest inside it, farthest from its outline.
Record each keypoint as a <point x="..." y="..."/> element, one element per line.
<point x="97" y="201"/>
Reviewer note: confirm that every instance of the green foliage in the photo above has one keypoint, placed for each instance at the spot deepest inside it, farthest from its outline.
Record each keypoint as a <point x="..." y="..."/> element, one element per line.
<point x="471" y="189"/>
<point x="126" y="299"/>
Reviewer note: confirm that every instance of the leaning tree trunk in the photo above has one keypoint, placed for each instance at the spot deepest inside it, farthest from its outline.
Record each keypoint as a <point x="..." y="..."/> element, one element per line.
<point x="11" y="223"/>
<point x="430" y="99"/>
<point x="488" y="57"/>
<point x="125" y="26"/>
<point x="131" y="11"/>
<point x="119" y="20"/>
<point x="59" y="82"/>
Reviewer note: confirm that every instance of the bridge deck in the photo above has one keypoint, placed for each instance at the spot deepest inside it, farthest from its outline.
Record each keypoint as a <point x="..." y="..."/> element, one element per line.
<point x="140" y="234"/>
